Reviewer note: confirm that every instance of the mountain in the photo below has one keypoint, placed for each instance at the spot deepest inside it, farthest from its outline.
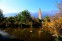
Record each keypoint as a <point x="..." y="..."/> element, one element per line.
<point x="44" y="14"/>
<point x="10" y="14"/>
<point x="33" y="14"/>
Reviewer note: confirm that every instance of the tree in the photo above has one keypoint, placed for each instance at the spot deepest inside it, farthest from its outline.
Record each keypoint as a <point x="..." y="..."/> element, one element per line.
<point x="11" y="19"/>
<point x="1" y="15"/>
<point x="24" y="16"/>
<point x="10" y="22"/>
<point x="18" y="17"/>
<point x="59" y="5"/>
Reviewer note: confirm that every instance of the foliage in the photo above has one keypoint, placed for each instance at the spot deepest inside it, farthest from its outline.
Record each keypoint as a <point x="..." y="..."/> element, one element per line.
<point x="1" y="15"/>
<point x="47" y="18"/>
<point x="24" y="16"/>
<point x="11" y="19"/>
<point x="19" y="17"/>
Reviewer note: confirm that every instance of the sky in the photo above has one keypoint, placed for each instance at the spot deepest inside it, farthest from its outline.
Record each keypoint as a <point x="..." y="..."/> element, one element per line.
<point x="15" y="6"/>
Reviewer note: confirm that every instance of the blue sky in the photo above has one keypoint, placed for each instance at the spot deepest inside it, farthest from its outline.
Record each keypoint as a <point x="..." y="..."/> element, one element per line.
<point x="14" y="6"/>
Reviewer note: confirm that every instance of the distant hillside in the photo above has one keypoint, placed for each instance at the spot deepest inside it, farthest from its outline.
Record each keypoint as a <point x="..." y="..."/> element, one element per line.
<point x="32" y="14"/>
<point x="44" y="14"/>
<point x="10" y="14"/>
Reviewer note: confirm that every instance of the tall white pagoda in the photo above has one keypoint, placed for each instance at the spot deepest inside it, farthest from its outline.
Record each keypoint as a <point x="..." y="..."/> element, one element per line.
<point x="39" y="14"/>
<point x="40" y="17"/>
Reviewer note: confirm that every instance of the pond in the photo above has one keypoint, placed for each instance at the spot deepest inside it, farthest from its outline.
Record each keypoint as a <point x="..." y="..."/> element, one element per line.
<point x="3" y="33"/>
<point x="4" y="36"/>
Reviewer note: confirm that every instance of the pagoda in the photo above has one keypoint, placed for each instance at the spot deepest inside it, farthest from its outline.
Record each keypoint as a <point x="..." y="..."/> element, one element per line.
<point x="40" y="17"/>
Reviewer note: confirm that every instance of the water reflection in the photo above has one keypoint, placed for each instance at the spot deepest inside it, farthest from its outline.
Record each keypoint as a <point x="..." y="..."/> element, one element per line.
<point x="3" y="33"/>
<point x="39" y="33"/>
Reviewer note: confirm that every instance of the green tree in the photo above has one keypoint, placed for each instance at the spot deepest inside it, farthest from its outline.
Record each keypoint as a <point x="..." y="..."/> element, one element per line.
<point x="1" y="15"/>
<point x="24" y="16"/>
<point x="18" y="17"/>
